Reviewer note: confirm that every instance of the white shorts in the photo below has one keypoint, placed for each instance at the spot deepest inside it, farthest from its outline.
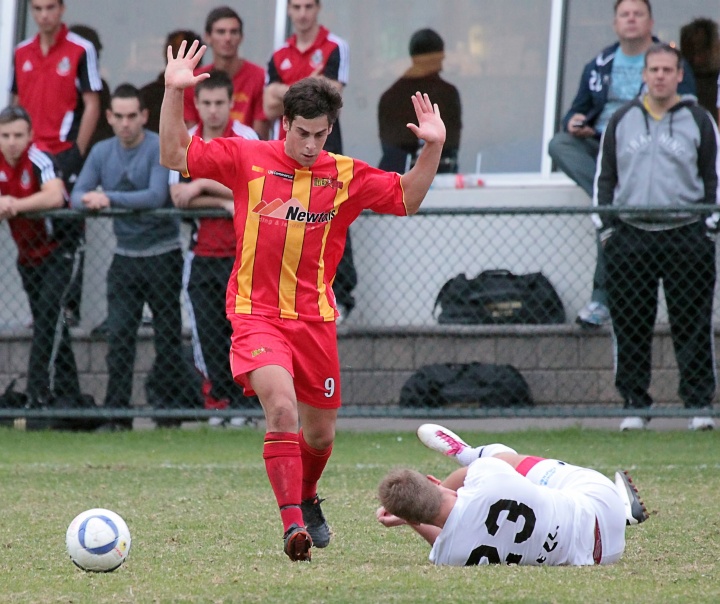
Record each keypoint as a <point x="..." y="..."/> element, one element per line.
<point x="595" y="492"/>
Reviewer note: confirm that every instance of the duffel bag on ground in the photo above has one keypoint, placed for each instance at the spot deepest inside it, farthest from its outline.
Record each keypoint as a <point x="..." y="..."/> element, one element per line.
<point x="499" y="297"/>
<point x="466" y="384"/>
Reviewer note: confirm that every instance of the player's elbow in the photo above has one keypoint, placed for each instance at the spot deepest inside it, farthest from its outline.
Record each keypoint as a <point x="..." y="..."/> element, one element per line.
<point x="55" y="194"/>
<point x="173" y="159"/>
<point x="57" y="201"/>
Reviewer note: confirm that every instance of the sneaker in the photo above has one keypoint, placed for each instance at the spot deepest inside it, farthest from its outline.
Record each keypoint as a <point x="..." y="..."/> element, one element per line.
<point x="241" y="421"/>
<point x="72" y="318"/>
<point x="216" y="422"/>
<point x="633" y="423"/>
<point x="297" y="543"/>
<point x="701" y="423"/>
<point x="315" y="521"/>
<point x="441" y="439"/>
<point x="594" y="314"/>
<point x="635" y="510"/>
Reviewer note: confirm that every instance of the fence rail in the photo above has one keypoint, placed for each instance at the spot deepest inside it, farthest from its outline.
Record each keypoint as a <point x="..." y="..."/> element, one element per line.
<point x="401" y="266"/>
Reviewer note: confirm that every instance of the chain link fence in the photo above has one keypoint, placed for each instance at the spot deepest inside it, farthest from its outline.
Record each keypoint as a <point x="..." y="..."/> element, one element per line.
<point x="397" y="327"/>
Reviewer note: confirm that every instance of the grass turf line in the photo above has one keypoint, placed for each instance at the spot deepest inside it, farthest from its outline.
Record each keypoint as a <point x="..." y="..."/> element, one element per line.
<point x="205" y="526"/>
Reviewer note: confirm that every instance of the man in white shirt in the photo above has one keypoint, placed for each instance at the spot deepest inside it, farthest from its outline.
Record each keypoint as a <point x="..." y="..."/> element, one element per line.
<point x="506" y="508"/>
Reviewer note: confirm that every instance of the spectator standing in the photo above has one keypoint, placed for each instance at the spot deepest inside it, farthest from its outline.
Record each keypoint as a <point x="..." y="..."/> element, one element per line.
<point x="427" y="51"/>
<point x="209" y="261"/>
<point x="313" y="51"/>
<point x="293" y="205"/>
<point x="611" y="79"/>
<point x="660" y="149"/>
<point x="29" y="183"/>
<point x="700" y="47"/>
<point x="63" y="121"/>
<point x="147" y="264"/>
<point x="152" y="92"/>
<point x="224" y="35"/>
<point x="103" y="129"/>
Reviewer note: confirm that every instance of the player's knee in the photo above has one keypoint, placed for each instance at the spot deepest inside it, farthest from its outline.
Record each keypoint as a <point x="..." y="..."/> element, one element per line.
<point x="559" y="145"/>
<point x="319" y="439"/>
<point x="281" y="417"/>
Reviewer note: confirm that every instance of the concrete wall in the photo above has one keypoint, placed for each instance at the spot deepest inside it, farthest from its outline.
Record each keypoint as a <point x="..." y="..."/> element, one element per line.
<point x="562" y="364"/>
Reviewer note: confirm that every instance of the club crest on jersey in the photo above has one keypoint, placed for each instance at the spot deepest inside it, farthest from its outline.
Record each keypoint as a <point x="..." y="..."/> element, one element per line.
<point x="3" y="176"/>
<point x="286" y="64"/>
<point x="316" y="58"/>
<point x="262" y="350"/>
<point x="27" y="65"/>
<point x="25" y="179"/>
<point x="63" y="67"/>
<point x="331" y="182"/>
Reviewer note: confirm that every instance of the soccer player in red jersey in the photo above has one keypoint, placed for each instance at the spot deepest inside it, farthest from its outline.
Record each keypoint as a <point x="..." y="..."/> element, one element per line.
<point x="56" y="79"/>
<point x="312" y="50"/>
<point x="224" y="35"/>
<point x="29" y="183"/>
<point x="293" y="205"/>
<point x="209" y="261"/>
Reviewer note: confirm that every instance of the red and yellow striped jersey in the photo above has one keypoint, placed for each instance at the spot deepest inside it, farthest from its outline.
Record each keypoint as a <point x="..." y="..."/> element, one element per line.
<point x="290" y="221"/>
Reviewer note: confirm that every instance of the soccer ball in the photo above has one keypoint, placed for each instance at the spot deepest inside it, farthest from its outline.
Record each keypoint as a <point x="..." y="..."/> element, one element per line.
<point x="98" y="540"/>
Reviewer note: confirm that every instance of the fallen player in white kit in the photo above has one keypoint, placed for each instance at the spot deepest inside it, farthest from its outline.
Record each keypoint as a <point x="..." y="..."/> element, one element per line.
<point x="502" y="507"/>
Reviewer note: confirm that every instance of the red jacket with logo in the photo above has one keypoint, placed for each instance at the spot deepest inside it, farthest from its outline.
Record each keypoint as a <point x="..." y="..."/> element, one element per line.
<point x="50" y="87"/>
<point x="32" y="235"/>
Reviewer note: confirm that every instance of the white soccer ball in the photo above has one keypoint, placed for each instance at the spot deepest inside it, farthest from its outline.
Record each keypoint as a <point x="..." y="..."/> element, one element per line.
<point x="98" y="540"/>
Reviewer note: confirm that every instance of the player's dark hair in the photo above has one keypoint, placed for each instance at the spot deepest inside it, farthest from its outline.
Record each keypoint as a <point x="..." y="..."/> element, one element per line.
<point x="645" y="2"/>
<point x="90" y="34"/>
<point x="13" y="113"/>
<point x="178" y="36"/>
<point x="128" y="91"/>
<point x="310" y="98"/>
<point x="700" y="45"/>
<point x="221" y="12"/>
<point x="217" y="79"/>
<point x="411" y="496"/>
<point x="661" y="47"/>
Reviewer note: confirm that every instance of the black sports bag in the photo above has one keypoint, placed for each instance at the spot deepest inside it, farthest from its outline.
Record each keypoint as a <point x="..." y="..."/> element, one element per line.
<point x="466" y="384"/>
<point x="499" y="297"/>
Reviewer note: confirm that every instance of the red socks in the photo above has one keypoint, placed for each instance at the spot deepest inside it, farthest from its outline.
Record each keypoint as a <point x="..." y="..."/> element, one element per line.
<point x="284" y="467"/>
<point x="313" y="464"/>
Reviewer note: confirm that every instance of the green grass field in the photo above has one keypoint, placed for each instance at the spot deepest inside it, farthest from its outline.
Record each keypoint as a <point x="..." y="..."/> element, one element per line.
<point x="205" y="527"/>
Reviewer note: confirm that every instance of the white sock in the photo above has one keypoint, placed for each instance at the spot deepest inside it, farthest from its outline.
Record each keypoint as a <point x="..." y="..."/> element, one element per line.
<point x="470" y="454"/>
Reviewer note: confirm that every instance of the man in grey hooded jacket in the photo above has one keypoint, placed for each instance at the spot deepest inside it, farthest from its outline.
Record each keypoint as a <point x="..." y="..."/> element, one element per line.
<point x="660" y="150"/>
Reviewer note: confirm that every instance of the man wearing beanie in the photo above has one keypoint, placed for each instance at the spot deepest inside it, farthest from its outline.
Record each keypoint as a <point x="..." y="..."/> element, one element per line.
<point x="427" y="51"/>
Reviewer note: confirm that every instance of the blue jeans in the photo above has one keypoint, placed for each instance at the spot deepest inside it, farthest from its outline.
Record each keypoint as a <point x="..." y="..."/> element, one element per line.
<point x="577" y="157"/>
<point x="131" y="282"/>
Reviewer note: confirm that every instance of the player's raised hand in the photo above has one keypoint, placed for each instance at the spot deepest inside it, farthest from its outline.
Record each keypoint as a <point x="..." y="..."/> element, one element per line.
<point x="430" y="126"/>
<point x="179" y="72"/>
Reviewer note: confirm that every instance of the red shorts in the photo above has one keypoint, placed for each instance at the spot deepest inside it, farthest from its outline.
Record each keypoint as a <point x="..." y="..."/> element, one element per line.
<point x="308" y="350"/>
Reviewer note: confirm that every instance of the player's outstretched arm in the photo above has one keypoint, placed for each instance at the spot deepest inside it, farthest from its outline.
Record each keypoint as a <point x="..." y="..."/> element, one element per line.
<point x="431" y="129"/>
<point x="179" y="74"/>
